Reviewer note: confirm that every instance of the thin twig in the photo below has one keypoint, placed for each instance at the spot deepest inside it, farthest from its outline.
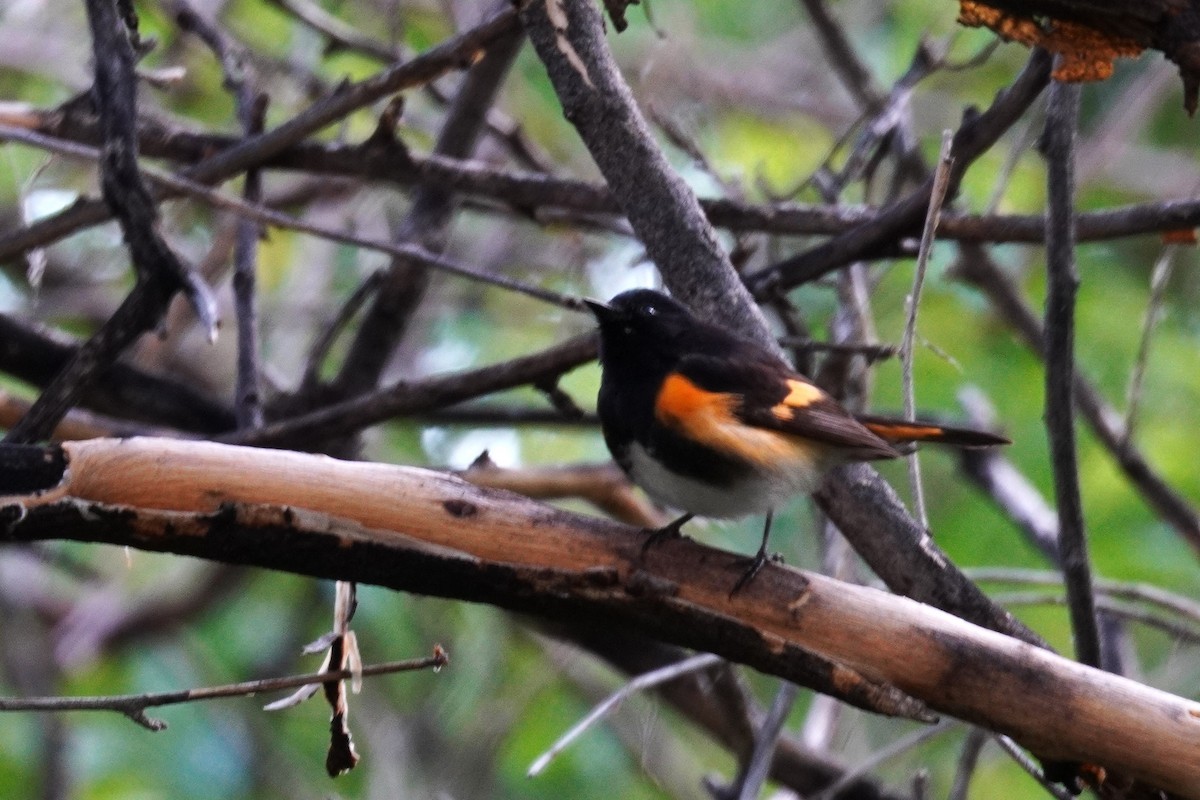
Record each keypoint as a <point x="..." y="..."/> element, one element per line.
<point x="1139" y="592"/>
<point x="479" y="415"/>
<point x="1025" y="138"/>
<point x="758" y="766"/>
<point x="403" y="398"/>
<point x="251" y="111"/>
<point x="268" y="216"/>
<point x="1058" y="148"/>
<point x="870" y="352"/>
<point x="1163" y="268"/>
<point x="134" y="705"/>
<point x="979" y="269"/>
<point x="1026" y="763"/>
<point x="247" y="401"/>
<point x="647" y="680"/>
<point x="1177" y="630"/>
<point x="323" y="342"/>
<point x="968" y="759"/>
<point x="854" y="74"/>
<point x="340" y="35"/>
<point x="896" y="748"/>
<point x="941" y="181"/>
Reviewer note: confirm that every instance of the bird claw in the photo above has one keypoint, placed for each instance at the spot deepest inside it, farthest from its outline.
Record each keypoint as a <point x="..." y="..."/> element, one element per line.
<point x="669" y="531"/>
<point x="757" y="562"/>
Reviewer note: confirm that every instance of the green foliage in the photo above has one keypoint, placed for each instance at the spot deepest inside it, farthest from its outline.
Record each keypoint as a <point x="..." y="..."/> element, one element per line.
<point x="749" y="84"/>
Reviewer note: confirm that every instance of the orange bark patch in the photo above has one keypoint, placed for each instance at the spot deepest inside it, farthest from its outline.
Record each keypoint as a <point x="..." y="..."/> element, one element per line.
<point x="1086" y="53"/>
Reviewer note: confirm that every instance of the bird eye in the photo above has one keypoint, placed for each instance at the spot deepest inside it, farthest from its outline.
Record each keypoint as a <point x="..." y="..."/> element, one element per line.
<point x="650" y="311"/>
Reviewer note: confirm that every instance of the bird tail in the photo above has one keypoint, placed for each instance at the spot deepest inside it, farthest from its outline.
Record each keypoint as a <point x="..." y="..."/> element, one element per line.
<point x="896" y="431"/>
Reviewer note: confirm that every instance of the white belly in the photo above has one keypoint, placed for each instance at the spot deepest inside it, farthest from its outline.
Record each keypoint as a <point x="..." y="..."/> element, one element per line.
<point x="765" y="491"/>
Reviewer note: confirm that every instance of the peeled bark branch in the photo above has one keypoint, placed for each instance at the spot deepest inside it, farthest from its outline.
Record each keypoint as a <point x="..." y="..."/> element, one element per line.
<point x="432" y="533"/>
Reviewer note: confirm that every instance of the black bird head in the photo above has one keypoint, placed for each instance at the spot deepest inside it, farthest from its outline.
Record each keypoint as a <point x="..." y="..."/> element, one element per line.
<point x="639" y="312"/>
<point x="643" y="326"/>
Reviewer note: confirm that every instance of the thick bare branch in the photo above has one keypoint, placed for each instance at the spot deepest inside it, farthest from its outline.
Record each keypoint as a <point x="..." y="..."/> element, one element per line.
<point x="432" y="533"/>
<point x="662" y="209"/>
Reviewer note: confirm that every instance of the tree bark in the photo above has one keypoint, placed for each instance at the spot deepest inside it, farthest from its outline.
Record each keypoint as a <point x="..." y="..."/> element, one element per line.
<point x="433" y="533"/>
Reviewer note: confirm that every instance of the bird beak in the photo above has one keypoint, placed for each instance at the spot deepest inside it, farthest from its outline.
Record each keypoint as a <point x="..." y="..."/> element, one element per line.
<point x="603" y="311"/>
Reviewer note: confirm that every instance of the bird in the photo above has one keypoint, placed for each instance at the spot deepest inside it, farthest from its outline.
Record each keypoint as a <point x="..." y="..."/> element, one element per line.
<point x="714" y="424"/>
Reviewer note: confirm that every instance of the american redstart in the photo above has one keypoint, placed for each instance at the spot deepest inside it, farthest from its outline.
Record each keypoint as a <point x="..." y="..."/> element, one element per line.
<point x="714" y="424"/>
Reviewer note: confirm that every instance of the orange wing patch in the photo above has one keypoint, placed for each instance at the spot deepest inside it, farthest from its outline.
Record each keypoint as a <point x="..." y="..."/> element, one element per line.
<point x="900" y="432"/>
<point x="680" y="401"/>
<point x="800" y="395"/>
<point x="708" y="418"/>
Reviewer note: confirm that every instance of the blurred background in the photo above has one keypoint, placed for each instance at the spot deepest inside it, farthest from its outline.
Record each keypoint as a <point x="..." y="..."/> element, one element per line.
<point x="745" y="102"/>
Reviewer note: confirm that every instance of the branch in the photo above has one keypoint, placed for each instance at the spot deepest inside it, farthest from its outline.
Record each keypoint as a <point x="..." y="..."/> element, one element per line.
<point x="664" y="213"/>
<point x="406" y="280"/>
<point x="405" y="397"/>
<point x="977" y="268"/>
<point x="431" y="533"/>
<point x="249" y="210"/>
<point x="839" y="53"/>
<point x="254" y="151"/>
<point x="1058" y="147"/>
<point x="546" y="197"/>
<point x="644" y="681"/>
<point x="160" y="273"/>
<point x="35" y="355"/>
<point x="978" y="132"/>
<point x="605" y="486"/>
<point x="663" y="210"/>
<point x="940" y="180"/>
<point x="134" y="705"/>
<point x="78" y="424"/>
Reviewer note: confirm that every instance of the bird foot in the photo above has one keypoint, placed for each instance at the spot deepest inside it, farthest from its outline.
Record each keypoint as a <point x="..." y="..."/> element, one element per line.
<point x="756" y="563"/>
<point x="669" y="531"/>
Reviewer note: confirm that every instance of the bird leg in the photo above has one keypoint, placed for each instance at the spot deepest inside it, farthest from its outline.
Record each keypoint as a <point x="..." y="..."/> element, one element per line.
<point x="668" y="531"/>
<point x="760" y="558"/>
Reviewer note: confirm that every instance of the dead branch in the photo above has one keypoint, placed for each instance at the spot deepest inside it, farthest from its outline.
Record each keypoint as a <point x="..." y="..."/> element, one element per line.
<point x="431" y="533"/>
<point x="551" y="197"/>
<point x="1058" y="148"/>
<point x="134" y="705"/>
